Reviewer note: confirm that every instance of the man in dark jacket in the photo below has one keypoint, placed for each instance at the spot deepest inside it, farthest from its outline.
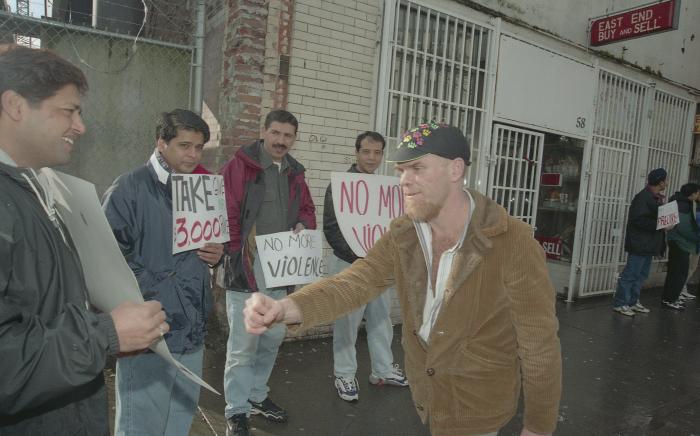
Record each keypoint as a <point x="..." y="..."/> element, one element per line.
<point x="54" y="349"/>
<point x="153" y="397"/>
<point x="642" y="243"/>
<point x="265" y="193"/>
<point x="682" y="242"/>
<point x="369" y="148"/>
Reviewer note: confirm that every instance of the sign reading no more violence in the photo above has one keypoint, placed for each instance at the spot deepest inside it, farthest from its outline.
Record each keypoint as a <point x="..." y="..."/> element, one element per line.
<point x="291" y="259"/>
<point x="199" y="211"/>
<point x="364" y="206"/>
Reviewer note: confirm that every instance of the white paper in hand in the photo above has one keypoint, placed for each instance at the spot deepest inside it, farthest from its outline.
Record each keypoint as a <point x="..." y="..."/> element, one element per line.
<point x="109" y="279"/>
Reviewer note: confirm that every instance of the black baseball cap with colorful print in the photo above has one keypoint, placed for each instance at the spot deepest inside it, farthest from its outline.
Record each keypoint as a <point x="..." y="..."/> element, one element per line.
<point x="432" y="138"/>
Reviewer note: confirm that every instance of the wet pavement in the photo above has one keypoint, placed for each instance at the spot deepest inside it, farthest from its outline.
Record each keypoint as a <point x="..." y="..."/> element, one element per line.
<point x="622" y="376"/>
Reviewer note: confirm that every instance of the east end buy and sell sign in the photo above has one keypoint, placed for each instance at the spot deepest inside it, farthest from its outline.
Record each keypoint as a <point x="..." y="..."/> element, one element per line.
<point x="657" y="17"/>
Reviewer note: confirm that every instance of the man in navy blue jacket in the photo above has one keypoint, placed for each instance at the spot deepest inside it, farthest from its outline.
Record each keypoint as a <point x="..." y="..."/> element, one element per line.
<point x="152" y="396"/>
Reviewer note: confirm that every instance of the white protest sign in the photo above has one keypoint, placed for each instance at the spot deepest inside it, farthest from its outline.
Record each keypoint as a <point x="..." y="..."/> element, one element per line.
<point x="109" y="279"/>
<point x="291" y="259"/>
<point x="199" y="211"/>
<point x="668" y="215"/>
<point x="364" y="206"/>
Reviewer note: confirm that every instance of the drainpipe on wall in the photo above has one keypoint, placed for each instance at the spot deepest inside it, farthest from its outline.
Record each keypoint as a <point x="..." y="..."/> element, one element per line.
<point x="196" y="102"/>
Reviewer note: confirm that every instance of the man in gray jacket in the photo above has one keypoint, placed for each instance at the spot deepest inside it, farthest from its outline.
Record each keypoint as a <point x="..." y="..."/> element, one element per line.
<point x="54" y="348"/>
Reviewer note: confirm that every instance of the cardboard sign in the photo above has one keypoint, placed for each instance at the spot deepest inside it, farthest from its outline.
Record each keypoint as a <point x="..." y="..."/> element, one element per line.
<point x="668" y="216"/>
<point x="199" y="211"/>
<point x="364" y="206"/>
<point x="291" y="259"/>
<point x="109" y="279"/>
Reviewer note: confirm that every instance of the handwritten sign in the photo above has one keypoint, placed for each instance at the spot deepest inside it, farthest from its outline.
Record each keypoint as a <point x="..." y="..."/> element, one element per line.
<point x="291" y="259"/>
<point x="668" y="216"/>
<point x="199" y="211"/>
<point x="364" y="206"/>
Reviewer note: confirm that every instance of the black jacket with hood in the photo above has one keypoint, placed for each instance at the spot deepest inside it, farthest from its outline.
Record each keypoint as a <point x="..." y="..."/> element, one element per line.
<point x="53" y="349"/>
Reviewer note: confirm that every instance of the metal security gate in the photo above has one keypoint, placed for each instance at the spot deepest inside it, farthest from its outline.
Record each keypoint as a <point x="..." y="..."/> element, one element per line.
<point x="434" y="66"/>
<point x="647" y="128"/>
<point x="515" y="163"/>
<point x="605" y="217"/>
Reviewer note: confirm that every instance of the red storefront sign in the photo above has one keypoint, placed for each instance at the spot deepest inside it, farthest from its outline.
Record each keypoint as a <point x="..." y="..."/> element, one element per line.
<point x="656" y="17"/>
<point x="551" y="246"/>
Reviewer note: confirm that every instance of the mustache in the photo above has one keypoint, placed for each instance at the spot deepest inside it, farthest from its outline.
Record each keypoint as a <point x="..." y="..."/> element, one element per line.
<point x="282" y="146"/>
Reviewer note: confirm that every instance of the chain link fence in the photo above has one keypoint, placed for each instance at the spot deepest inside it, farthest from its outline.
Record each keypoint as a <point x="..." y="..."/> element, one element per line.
<point x="132" y="78"/>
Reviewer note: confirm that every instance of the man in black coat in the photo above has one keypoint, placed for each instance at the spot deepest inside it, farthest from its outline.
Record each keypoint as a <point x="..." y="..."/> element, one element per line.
<point x="642" y="243"/>
<point x="53" y="347"/>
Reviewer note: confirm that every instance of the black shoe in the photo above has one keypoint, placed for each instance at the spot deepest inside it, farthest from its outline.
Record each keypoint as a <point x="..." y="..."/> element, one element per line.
<point x="269" y="410"/>
<point x="237" y="425"/>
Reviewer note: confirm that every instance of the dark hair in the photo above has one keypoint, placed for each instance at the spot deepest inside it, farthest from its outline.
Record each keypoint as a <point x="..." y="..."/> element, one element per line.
<point x="37" y="74"/>
<point x="371" y="135"/>
<point x="281" y="116"/>
<point x="170" y="122"/>
<point x="689" y="189"/>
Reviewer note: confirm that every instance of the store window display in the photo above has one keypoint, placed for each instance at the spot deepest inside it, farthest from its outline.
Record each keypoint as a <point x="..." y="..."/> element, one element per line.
<point x="558" y="199"/>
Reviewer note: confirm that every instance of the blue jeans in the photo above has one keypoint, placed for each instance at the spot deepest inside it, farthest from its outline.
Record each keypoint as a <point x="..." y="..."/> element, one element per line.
<point x="380" y="333"/>
<point x="631" y="280"/>
<point x="249" y="358"/>
<point x="153" y="397"/>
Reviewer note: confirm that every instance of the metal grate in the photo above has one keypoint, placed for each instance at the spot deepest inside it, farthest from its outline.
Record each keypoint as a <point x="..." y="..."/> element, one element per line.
<point x="649" y="128"/>
<point x="437" y="66"/>
<point x="514" y="171"/>
<point x="605" y="217"/>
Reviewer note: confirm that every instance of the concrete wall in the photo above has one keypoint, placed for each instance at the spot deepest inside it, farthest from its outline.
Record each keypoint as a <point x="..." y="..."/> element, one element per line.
<point x="122" y="105"/>
<point x="674" y="54"/>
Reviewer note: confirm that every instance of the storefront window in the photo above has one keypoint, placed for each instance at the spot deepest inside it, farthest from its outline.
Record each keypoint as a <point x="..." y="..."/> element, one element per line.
<point x="558" y="200"/>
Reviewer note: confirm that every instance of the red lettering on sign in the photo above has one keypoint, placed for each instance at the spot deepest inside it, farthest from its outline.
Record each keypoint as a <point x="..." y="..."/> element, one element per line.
<point x="642" y="21"/>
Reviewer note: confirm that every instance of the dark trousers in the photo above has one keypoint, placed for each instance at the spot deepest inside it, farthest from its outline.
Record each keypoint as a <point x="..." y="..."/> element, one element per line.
<point x="677" y="274"/>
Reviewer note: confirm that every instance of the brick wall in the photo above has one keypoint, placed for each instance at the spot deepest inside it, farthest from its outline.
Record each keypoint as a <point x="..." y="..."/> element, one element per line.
<point x="331" y="83"/>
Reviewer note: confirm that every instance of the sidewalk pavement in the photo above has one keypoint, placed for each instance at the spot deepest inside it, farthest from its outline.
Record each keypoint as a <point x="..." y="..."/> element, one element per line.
<point x="622" y="376"/>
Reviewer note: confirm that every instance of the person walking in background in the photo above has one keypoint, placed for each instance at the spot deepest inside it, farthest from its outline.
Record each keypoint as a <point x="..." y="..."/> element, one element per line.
<point x="369" y="148"/>
<point x="682" y="242"/>
<point x="642" y="243"/>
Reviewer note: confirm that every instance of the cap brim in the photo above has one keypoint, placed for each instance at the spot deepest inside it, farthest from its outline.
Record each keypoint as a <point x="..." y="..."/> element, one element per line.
<point x="406" y="154"/>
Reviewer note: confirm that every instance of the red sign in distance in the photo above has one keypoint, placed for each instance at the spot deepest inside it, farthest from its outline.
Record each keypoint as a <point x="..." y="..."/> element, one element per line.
<point x="657" y="17"/>
<point x="551" y="246"/>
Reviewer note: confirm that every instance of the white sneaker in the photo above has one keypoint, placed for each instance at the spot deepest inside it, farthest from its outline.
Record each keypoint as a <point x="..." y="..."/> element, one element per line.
<point x="396" y="378"/>
<point x="639" y="308"/>
<point x="624" y="310"/>
<point x="685" y="295"/>
<point x="347" y="388"/>
<point x="672" y="305"/>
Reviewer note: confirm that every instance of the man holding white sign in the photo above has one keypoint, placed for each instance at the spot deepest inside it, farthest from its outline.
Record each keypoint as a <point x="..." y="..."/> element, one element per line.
<point x="53" y="347"/>
<point x="683" y="241"/>
<point x="152" y="396"/>
<point x="266" y="193"/>
<point x="643" y="241"/>
<point x="369" y="150"/>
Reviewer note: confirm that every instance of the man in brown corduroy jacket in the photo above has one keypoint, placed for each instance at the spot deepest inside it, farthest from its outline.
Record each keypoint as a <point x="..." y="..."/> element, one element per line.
<point x="477" y="305"/>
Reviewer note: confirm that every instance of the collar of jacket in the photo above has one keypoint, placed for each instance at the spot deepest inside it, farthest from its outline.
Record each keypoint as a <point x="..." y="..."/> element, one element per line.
<point x="15" y="173"/>
<point x="489" y="220"/>
<point x="250" y="155"/>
